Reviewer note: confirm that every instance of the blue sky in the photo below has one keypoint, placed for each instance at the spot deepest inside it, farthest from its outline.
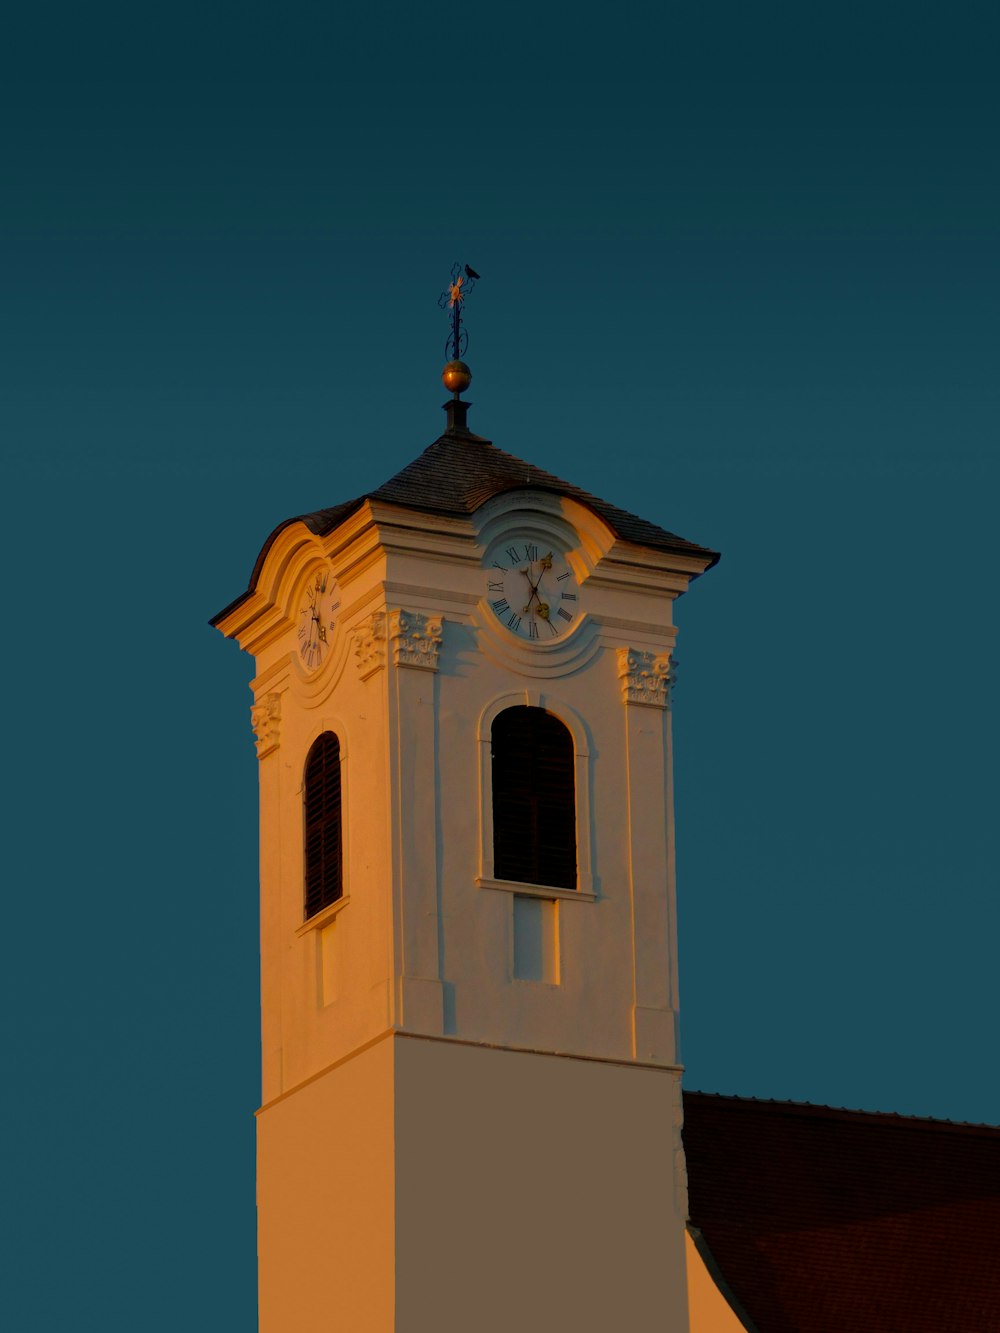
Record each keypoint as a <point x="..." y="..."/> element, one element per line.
<point x="740" y="275"/>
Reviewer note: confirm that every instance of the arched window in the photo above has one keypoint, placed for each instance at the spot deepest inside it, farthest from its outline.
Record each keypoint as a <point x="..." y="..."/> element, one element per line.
<point x="534" y="799"/>
<point x="324" y="869"/>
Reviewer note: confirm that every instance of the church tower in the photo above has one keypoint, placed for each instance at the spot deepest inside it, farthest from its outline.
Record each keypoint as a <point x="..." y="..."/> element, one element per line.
<point x="471" y="1096"/>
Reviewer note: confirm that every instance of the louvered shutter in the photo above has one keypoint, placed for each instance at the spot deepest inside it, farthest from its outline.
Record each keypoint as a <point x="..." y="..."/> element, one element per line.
<point x="534" y="799"/>
<point x="324" y="881"/>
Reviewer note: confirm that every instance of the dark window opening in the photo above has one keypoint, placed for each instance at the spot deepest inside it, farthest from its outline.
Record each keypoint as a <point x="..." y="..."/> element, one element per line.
<point x="324" y="872"/>
<point x="534" y="799"/>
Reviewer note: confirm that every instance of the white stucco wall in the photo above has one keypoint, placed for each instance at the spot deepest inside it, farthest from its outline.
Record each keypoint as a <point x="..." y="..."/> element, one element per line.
<point x="422" y="941"/>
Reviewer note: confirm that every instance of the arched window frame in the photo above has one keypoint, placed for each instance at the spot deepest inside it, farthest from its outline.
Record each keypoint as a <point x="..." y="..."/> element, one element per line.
<point x="326" y="914"/>
<point x="584" y="892"/>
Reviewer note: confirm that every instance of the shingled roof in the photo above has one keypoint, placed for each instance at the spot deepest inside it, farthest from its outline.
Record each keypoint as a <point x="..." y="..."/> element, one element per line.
<point x="827" y="1221"/>
<point x="457" y="474"/>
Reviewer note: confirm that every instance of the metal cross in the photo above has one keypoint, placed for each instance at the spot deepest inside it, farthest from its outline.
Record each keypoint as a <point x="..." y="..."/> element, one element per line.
<point x="463" y="279"/>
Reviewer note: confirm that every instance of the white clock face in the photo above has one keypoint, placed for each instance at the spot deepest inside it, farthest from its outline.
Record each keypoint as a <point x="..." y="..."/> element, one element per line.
<point x="532" y="591"/>
<point x="318" y="612"/>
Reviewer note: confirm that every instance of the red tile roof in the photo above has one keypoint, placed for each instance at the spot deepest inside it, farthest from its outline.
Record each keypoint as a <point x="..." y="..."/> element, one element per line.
<point x="458" y="473"/>
<point x="829" y="1221"/>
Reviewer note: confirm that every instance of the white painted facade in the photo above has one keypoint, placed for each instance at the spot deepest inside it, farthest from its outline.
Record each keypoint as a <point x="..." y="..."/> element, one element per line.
<point x="503" y="1055"/>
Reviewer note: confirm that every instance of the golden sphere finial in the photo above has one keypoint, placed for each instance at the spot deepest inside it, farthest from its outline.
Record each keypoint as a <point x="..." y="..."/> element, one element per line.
<point x="456" y="376"/>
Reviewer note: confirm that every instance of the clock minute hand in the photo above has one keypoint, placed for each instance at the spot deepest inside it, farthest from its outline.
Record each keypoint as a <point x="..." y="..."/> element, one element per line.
<point x="533" y="592"/>
<point x="543" y="607"/>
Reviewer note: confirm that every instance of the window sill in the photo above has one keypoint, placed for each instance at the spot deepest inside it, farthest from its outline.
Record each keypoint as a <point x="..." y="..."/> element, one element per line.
<point x="324" y="917"/>
<point x="535" y="890"/>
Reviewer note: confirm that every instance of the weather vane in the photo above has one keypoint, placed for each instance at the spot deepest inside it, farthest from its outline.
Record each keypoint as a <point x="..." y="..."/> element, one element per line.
<point x="457" y="376"/>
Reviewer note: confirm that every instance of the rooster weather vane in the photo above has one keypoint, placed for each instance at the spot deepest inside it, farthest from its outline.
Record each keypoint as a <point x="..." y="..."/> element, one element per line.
<point x="457" y="375"/>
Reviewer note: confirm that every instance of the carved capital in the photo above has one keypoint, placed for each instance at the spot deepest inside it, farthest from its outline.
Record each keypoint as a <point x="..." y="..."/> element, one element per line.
<point x="645" y="678"/>
<point x="369" y="645"/>
<point x="265" y="716"/>
<point x="416" y="639"/>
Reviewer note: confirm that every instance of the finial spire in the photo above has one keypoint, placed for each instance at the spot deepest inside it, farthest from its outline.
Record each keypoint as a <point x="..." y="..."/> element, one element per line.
<point x="456" y="375"/>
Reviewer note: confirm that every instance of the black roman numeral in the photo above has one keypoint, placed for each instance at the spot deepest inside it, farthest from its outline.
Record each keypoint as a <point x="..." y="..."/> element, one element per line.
<point x="565" y="614"/>
<point x="532" y="630"/>
<point x="512" y="554"/>
<point x="569" y="596"/>
<point x="530" y="553"/>
<point x="495" y="587"/>
<point x="501" y="607"/>
<point x="560" y="577"/>
<point x="514" y="620"/>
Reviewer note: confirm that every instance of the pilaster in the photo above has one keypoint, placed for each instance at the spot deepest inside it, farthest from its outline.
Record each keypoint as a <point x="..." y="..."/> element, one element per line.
<point x="645" y="679"/>
<point x="415" y="641"/>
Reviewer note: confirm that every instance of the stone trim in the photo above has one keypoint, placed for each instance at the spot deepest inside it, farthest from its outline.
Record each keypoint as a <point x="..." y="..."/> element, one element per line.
<point x="265" y="717"/>
<point x="369" y="645"/>
<point x="645" y="677"/>
<point x="416" y="639"/>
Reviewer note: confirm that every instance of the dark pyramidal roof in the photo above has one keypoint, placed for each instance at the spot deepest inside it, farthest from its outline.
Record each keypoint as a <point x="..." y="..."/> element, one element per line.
<point x="816" y="1220"/>
<point x="457" y="474"/>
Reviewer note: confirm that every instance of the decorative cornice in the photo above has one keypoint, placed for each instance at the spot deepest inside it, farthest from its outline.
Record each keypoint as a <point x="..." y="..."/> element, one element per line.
<point x="645" y="677"/>
<point x="416" y="639"/>
<point x="369" y="645"/>
<point x="265" y="717"/>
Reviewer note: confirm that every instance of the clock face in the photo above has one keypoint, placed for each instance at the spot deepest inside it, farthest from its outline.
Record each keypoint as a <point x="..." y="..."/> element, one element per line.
<point x="317" y="617"/>
<point x="532" y="590"/>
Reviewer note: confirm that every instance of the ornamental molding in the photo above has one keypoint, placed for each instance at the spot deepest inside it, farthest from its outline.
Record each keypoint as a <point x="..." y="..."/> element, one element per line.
<point x="416" y="639"/>
<point x="645" y="677"/>
<point x="369" y="645"/>
<point x="265" y="717"/>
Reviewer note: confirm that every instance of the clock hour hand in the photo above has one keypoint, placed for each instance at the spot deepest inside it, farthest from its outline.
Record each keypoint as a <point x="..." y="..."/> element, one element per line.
<point x="543" y="608"/>
<point x="532" y="593"/>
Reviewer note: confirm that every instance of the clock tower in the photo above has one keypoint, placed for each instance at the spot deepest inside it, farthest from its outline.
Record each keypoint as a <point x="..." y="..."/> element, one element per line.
<point x="471" y="1096"/>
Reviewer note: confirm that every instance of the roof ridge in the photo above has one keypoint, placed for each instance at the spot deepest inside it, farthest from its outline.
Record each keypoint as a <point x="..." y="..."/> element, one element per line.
<point x="643" y="530"/>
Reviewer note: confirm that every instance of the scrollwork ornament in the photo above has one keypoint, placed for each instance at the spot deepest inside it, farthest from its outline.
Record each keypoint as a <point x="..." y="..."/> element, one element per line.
<point x="369" y="645"/>
<point x="265" y="718"/>
<point x="416" y="639"/>
<point x="645" y="677"/>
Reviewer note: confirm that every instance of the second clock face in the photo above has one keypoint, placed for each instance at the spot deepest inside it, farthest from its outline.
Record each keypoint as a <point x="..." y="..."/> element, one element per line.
<point x="531" y="590"/>
<point x="318" y="611"/>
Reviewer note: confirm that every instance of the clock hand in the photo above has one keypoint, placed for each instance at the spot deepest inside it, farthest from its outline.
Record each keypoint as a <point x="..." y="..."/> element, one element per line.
<point x="543" y="607"/>
<point x="313" y="638"/>
<point x="527" y="575"/>
<point x="534" y="593"/>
